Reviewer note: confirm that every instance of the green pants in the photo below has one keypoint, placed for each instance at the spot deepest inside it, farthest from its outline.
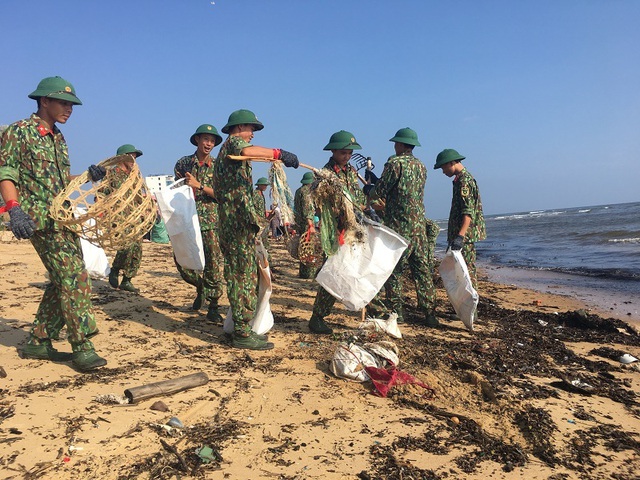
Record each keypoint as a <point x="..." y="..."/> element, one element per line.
<point x="211" y="279"/>
<point x="67" y="299"/>
<point x="128" y="260"/>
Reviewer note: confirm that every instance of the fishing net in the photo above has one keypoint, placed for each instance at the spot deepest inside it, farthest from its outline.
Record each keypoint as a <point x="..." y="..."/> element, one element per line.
<point x="111" y="221"/>
<point x="281" y="192"/>
<point x="338" y="221"/>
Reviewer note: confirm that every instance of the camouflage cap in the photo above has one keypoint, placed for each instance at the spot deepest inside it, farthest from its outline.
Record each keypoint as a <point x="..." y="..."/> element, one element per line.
<point x="206" y="128"/>
<point x="55" y="87"/>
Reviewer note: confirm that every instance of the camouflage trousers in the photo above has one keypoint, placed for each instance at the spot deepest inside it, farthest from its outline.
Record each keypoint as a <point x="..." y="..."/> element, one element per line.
<point x="264" y="237"/>
<point x="307" y="271"/>
<point x="67" y="299"/>
<point x="469" y="255"/>
<point x="433" y="230"/>
<point x="211" y="279"/>
<point x="416" y="257"/>
<point x="238" y="245"/>
<point x="128" y="260"/>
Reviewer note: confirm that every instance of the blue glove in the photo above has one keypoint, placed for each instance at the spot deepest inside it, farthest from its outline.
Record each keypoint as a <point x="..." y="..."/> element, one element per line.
<point x="22" y="225"/>
<point x="370" y="177"/>
<point x="289" y="159"/>
<point x="457" y="243"/>
<point x="96" y="172"/>
<point x="367" y="189"/>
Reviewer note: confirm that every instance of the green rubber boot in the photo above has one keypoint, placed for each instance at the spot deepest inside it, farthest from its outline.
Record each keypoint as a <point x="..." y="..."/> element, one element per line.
<point x="252" y="342"/>
<point x="45" y="351"/>
<point x="128" y="286"/>
<point x="87" y="360"/>
<point x="113" y="277"/>
<point x="431" y="320"/>
<point x="318" y="325"/>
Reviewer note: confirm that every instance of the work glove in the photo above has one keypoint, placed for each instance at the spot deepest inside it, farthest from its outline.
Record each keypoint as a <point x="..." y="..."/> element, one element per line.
<point x="457" y="243"/>
<point x="371" y="213"/>
<point x="22" y="225"/>
<point x="370" y="177"/>
<point x="367" y="189"/>
<point x="96" y="172"/>
<point x="289" y="159"/>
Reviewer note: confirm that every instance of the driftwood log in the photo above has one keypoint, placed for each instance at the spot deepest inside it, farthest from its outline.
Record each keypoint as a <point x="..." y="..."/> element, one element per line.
<point x="166" y="387"/>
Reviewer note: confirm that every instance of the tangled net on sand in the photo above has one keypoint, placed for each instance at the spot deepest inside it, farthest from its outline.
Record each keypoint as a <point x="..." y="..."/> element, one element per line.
<point x="338" y="223"/>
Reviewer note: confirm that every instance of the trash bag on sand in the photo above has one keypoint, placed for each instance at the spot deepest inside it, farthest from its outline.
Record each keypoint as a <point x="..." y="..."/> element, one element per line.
<point x="349" y="362"/>
<point x="389" y="326"/>
<point x="263" y="317"/>
<point x="457" y="282"/>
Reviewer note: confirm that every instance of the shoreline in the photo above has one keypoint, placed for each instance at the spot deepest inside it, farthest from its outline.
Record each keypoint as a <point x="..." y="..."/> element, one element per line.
<point x="598" y="295"/>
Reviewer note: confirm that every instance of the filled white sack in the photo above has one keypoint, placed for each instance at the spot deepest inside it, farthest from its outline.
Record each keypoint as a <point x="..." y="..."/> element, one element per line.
<point x="457" y="282"/>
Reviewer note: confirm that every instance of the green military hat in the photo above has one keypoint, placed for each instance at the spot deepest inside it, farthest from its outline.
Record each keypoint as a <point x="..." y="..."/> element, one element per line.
<point x="406" y="136"/>
<point x="55" y="87"/>
<point x="243" y="117"/>
<point x="262" y="181"/>
<point x="307" y="178"/>
<point x="206" y="128"/>
<point x="342" y="140"/>
<point x="128" y="148"/>
<point x="446" y="156"/>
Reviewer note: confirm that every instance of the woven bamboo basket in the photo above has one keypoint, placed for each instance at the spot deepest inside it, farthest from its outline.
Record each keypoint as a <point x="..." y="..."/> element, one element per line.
<point x="114" y="220"/>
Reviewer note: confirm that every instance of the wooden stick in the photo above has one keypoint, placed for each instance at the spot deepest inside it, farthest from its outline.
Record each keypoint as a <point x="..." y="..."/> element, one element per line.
<point x="165" y="387"/>
<point x="243" y="158"/>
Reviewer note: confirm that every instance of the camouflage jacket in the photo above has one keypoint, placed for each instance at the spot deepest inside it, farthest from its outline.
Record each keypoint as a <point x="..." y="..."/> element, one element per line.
<point x="116" y="178"/>
<point x="36" y="159"/>
<point x="233" y="184"/>
<point x="260" y="205"/>
<point x="466" y="201"/>
<point x="303" y="208"/>
<point x="401" y="185"/>
<point x="206" y="206"/>
<point x="349" y="177"/>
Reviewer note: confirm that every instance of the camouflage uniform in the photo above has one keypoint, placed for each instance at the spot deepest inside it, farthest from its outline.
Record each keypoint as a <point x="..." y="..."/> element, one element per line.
<point x="466" y="201"/>
<point x="433" y="230"/>
<point x="324" y="301"/>
<point x="303" y="211"/>
<point x="211" y="280"/>
<point x="128" y="259"/>
<point x="402" y="186"/>
<point x="238" y="229"/>
<point x="36" y="159"/>
<point x="260" y="204"/>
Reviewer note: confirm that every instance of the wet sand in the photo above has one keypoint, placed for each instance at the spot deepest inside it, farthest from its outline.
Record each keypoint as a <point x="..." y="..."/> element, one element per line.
<point x="535" y="392"/>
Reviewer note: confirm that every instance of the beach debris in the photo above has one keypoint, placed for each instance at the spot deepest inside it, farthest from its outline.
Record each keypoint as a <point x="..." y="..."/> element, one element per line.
<point x="175" y="422"/>
<point x="626" y="359"/>
<point x="389" y="326"/>
<point x="166" y="387"/>
<point x="543" y="323"/>
<point x="3" y="374"/>
<point x="73" y="448"/>
<point x="208" y="454"/>
<point x="111" y="399"/>
<point x="576" y="385"/>
<point x="160" y="406"/>
<point x="172" y="449"/>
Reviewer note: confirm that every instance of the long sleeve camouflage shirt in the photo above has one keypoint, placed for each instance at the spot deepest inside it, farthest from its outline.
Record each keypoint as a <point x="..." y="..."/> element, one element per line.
<point x="349" y="177"/>
<point x="466" y="201"/>
<point x="233" y="184"/>
<point x="203" y="172"/>
<point x="401" y="185"/>
<point x="36" y="159"/>
<point x="303" y="208"/>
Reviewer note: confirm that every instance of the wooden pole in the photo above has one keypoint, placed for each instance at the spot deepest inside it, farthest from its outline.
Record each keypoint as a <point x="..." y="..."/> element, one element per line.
<point x="242" y="158"/>
<point x="166" y="387"/>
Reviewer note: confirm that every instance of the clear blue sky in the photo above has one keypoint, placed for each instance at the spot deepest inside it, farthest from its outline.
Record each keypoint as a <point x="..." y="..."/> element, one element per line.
<point x="543" y="97"/>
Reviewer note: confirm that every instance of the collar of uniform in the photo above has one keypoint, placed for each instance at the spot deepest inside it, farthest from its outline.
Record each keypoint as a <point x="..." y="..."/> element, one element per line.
<point x="206" y="161"/>
<point x="458" y="175"/>
<point x="42" y="129"/>
<point x="337" y="168"/>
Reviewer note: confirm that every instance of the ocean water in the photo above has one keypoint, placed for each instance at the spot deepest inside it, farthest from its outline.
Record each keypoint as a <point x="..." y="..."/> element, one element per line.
<point x="594" y="249"/>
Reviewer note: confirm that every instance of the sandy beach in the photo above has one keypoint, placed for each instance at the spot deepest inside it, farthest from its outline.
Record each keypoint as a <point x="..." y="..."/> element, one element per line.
<point x="535" y="392"/>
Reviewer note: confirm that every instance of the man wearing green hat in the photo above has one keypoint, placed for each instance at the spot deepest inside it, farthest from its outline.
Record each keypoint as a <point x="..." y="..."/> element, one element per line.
<point x="128" y="259"/>
<point x="34" y="168"/>
<point x="401" y="186"/>
<point x="198" y="171"/>
<point x="341" y="144"/>
<point x="240" y="221"/>
<point x="304" y="212"/>
<point x="466" y="220"/>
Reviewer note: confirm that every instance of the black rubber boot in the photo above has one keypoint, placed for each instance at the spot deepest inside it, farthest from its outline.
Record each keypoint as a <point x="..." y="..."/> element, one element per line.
<point x="113" y="277"/>
<point x="318" y="325"/>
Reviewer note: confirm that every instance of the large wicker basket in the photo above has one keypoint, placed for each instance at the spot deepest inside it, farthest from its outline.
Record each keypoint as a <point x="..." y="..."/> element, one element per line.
<point x="111" y="221"/>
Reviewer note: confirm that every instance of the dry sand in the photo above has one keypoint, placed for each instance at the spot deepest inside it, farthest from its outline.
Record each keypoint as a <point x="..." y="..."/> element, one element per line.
<point x="282" y="414"/>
